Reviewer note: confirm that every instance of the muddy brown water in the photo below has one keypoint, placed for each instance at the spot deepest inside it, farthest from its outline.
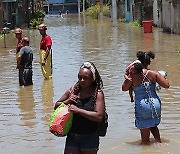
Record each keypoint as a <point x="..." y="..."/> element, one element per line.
<point x="25" y="111"/>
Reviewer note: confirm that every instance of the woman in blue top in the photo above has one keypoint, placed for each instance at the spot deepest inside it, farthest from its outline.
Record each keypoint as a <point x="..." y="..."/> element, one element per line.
<point x="87" y="103"/>
<point x="147" y="103"/>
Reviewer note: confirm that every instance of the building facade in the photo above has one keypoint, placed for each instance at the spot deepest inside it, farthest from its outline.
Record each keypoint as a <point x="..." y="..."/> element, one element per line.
<point x="57" y="6"/>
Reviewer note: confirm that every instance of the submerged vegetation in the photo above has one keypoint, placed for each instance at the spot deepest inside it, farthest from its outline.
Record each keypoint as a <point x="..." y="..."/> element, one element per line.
<point x="178" y="52"/>
<point x="135" y="23"/>
<point x="94" y="11"/>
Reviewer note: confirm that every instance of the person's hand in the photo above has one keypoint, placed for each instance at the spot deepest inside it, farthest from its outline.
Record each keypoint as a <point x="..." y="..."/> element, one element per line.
<point x="17" y="67"/>
<point x="43" y="63"/>
<point x="73" y="108"/>
<point x="132" y="100"/>
<point x="72" y="99"/>
<point x="127" y="77"/>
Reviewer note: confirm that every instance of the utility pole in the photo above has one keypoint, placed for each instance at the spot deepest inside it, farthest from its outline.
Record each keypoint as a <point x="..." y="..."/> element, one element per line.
<point x="114" y="13"/>
<point x="79" y="7"/>
<point x="83" y="6"/>
<point x="101" y="9"/>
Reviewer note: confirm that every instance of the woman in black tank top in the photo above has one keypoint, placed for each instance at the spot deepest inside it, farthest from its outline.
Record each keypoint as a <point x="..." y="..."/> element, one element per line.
<point x="88" y="105"/>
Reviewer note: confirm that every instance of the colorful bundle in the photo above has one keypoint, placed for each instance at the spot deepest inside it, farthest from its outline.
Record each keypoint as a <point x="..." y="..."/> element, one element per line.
<point x="61" y="121"/>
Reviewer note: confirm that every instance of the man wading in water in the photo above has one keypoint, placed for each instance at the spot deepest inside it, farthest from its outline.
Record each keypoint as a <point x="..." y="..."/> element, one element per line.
<point x="45" y="55"/>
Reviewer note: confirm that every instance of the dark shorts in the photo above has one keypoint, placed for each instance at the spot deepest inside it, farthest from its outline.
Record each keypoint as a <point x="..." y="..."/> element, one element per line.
<point x="82" y="142"/>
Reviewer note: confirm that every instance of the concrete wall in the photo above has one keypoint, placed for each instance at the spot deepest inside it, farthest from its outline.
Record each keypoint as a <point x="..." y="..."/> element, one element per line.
<point x="157" y="13"/>
<point x="120" y="10"/>
<point x="171" y="16"/>
<point x="1" y="16"/>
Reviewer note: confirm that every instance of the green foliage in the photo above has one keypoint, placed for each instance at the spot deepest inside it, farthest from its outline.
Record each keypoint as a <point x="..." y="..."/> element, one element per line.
<point x="178" y="52"/>
<point x="36" y="18"/>
<point x="94" y="11"/>
<point x="35" y="22"/>
<point x="37" y="14"/>
<point x="135" y="23"/>
<point x="1" y="36"/>
<point x="106" y="10"/>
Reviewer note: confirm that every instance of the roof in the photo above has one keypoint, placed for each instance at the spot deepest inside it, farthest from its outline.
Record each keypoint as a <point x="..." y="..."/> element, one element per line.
<point x="8" y="1"/>
<point x="58" y="1"/>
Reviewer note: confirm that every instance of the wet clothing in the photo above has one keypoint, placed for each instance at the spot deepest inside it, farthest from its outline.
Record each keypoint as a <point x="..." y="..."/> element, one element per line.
<point x="147" y="104"/>
<point x="25" y="77"/>
<point x="47" y="69"/>
<point x="25" y="70"/>
<point x="83" y="133"/>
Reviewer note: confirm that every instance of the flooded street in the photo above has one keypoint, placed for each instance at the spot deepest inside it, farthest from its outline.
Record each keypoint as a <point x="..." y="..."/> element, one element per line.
<point x="25" y="112"/>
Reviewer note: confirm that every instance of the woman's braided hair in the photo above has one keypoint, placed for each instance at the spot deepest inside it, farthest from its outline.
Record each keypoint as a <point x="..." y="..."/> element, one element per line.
<point x="145" y="57"/>
<point x="97" y="84"/>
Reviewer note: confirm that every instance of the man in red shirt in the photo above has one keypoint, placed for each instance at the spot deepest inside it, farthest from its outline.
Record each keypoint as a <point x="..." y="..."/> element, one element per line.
<point x="18" y="33"/>
<point x="45" y="54"/>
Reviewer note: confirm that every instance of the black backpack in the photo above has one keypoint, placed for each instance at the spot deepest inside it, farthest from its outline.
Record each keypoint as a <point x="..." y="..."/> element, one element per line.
<point x="103" y="125"/>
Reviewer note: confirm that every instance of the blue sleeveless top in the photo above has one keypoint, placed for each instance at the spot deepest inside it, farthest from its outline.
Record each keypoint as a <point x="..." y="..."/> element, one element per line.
<point x="147" y="104"/>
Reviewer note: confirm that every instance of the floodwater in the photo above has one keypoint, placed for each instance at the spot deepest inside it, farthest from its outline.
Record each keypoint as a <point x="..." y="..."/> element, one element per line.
<point x="25" y="111"/>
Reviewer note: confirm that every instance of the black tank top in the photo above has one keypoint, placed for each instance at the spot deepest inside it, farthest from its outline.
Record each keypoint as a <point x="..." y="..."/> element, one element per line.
<point x="82" y="125"/>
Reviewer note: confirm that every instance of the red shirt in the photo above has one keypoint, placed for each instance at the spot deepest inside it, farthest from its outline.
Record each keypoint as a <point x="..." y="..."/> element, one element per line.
<point x="19" y="45"/>
<point x="45" y="42"/>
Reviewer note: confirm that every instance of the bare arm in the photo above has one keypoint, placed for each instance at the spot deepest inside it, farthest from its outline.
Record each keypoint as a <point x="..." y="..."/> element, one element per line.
<point x="127" y="84"/>
<point x="18" y="61"/>
<point x="162" y="81"/>
<point x="67" y="98"/>
<point x="97" y="114"/>
<point x="47" y="51"/>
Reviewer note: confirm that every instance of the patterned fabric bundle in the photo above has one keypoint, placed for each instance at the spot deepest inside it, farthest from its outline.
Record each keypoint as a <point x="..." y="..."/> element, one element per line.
<point x="61" y="121"/>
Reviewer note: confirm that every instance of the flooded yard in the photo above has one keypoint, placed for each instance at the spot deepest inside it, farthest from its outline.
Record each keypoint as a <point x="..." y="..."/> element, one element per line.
<point x="25" y="111"/>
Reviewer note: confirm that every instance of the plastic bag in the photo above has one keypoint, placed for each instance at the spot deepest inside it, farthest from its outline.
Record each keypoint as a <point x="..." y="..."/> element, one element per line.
<point x="61" y="121"/>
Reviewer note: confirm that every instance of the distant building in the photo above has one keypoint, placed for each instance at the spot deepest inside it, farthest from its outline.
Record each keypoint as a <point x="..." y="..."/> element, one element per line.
<point x="16" y="13"/>
<point x="60" y="6"/>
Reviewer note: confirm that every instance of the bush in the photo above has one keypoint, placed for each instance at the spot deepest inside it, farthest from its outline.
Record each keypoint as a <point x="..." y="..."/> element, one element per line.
<point x="35" y="22"/>
<point x="37" y="18"/>
<point x="106" y="10"/>
<point x="94" y="11"/>
<point x="37" y="14"/>
<point x="135" y="23"/>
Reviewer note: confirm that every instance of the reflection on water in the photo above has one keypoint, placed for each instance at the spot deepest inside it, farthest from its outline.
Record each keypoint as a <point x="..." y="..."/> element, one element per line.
<point x="26" y="106"/>
<point x="47" y="99"/>
<point x="25" y="111"/>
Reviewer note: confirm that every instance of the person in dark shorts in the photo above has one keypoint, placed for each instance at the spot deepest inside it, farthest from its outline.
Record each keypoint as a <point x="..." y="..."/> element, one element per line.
<point x="86" y="100"/>
<point x="24" y="63"/>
